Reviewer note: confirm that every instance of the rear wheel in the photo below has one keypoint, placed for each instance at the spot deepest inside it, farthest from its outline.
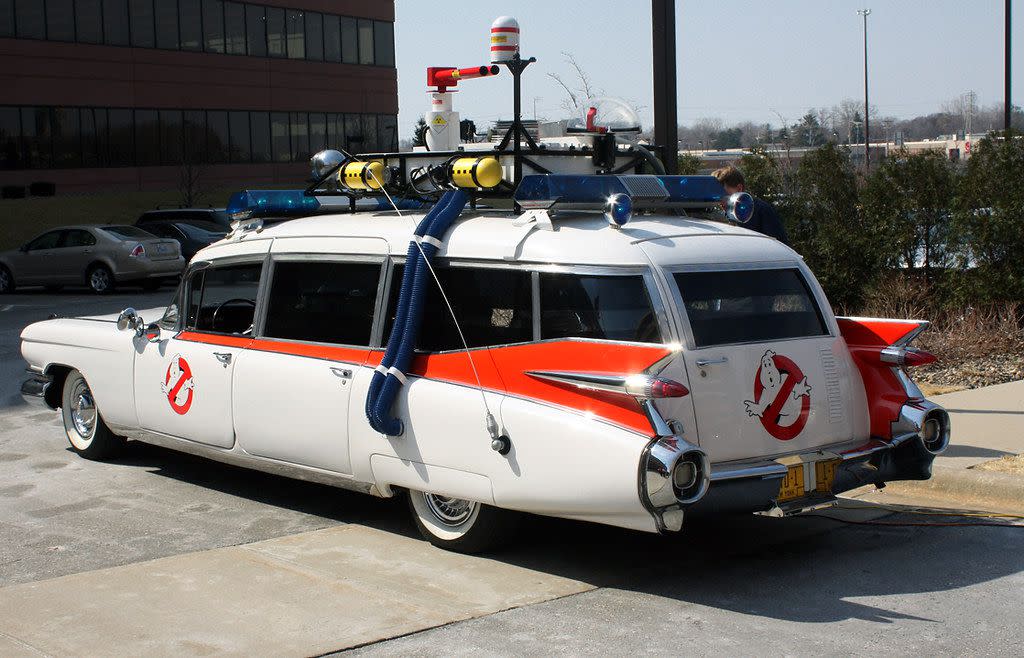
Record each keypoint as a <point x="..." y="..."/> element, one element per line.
<point x="100" y="279"/>
<point x="6" y="281"/>
<point x="88" y="434"/>
<point x="459" y="525"/>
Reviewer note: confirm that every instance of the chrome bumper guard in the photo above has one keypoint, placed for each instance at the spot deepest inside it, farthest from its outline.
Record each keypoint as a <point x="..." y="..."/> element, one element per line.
<point x="33" y="389"/>
<point x="920" y="433"/>
<point x="674" y="474"/>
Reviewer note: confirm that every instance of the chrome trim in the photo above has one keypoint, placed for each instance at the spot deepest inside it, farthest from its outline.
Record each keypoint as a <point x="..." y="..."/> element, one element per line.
<point x="703" y="363"/>
<point x="223" y="357"/>
<point x="33" y="389"/>
<point x="344" y="373"/>
<point x="911" y="423"/>
<point x="910" y="387"/>
<point x="237" y="457"/>
<point x="584" y="380"/>
<point x="657" y="492"/>
<point x="763" y="471"/>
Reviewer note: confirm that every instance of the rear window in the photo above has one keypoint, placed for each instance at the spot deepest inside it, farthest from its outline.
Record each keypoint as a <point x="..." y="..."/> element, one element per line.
<point x="749" y="306"/>
<point x="128" y="232"/>
<point x="597" y="306"/>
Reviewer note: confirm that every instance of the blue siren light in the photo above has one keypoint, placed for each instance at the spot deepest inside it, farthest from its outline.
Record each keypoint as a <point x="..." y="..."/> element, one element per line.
<point x="740" y="207"/>
<point x="270" y="203"/>
<point x="587" y="192"/>
<point x="619" y="210"/>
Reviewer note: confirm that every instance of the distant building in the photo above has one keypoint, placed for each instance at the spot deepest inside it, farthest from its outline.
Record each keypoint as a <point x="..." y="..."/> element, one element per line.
<point x="122" y="94"/>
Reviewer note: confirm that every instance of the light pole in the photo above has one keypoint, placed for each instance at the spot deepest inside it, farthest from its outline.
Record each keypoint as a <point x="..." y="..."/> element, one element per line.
<point x="1008" y="105"/>
<point x="867" y="124"/>
<point x="535" y="99"/>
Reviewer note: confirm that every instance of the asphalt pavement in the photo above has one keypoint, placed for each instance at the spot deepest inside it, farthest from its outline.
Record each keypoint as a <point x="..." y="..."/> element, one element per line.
<point x="96" y="558"/>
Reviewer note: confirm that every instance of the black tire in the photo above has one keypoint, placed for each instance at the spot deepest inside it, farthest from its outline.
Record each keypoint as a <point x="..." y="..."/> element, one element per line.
<point x="459" y="525"/>
<point x="6" y="281"/>
<point x="100" y="279"/>
<point x="88" y="435"/>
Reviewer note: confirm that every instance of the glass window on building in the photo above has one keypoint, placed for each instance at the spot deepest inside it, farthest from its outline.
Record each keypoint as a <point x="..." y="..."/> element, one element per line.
<point x="213" y="26"/>
<point x="166" y="16"/>
<point x="384" y="43"/>
<point x="94" y="136"/>
<point x="370" y="138"/>
<point x="67" y="138"/>
<point x="60" y="20"/>
<point x="317" y="132"/>
<point x="194" y="134"/>
<point x="365" y="41"/>
<point x="354" y="142"/>
<point x="300" y="136"/>
<point x="241" y="148"/>
<point x="30" y="19"/>
<point x="332" y="38"/>
<point x="89" y="21"/>
<point x="36" y="142"/>
<point x="6" y="19"/>
<point x="141" y="20"/>
<point x="171" y="138"/>
<point x="349" y="41"/>
<point x="190" y="20"/>
<point x="234" y="28"/>
<point x="388" y="132"/>
<point x="115" y="22"/>
<point x="147" y="137"/>
<point x="10" y="135"/>
<point x="314" y="36"/>
<point x="121" y="137"/>
<point x="332" y="132"/>
<point x="260" y="133"/>
<point x="275" y="32"/>
<point x="217" y="136"/>
<point x="256" y="30"/>
<point x="296" y="29"/>
<point x="279" y="137"/>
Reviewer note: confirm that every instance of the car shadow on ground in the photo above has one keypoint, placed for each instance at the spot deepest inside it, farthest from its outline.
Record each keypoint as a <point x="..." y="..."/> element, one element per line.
<point x="807" y="569"/>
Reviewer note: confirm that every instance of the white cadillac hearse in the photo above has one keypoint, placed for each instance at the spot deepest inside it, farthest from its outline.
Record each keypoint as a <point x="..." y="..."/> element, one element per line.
<point x="599" y="351"/>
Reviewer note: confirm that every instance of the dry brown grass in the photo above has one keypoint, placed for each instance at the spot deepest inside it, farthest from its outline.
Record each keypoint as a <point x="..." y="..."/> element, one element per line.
<point x="1013" y="464"/>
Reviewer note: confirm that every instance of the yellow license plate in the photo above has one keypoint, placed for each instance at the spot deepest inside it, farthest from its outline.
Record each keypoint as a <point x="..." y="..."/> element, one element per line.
<point x="825" y="475"/>
<point x="792" y="484"/>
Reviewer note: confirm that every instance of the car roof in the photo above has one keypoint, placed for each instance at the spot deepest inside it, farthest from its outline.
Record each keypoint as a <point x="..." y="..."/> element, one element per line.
<point x="578" y="238"/>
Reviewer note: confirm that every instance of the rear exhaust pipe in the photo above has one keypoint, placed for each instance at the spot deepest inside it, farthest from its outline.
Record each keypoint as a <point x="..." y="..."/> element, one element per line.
<point x="934" y="432"/>
<point x="674" y="474"/>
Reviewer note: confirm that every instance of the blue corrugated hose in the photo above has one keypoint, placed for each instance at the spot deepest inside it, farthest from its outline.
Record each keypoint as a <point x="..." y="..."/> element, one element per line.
<point x="416" y="280"/>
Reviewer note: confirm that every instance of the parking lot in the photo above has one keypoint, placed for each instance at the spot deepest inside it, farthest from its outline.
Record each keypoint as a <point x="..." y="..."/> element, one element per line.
<point x="803" y="586"/>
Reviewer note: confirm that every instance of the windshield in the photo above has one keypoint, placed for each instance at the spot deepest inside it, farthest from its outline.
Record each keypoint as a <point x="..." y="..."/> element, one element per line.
<point x="205" y="231"/>
<point x="128" y="232"/>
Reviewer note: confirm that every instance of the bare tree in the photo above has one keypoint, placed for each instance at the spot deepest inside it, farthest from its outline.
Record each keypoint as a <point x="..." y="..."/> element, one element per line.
<point x="576" y="95"/>
<point x="191" y="167"/>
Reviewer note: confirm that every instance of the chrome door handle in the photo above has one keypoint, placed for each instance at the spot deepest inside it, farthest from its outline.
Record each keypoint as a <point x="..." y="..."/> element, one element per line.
<point x="344" y="373"/>
<point x="223" y="357"/>
<point x="702" y="363"/>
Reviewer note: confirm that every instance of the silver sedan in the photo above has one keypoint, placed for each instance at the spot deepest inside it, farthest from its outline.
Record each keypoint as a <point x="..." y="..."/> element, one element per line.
<point x="99" y="257"/>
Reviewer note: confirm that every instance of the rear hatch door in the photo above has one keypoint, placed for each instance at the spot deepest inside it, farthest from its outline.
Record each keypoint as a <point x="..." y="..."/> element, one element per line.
<point x="760" y="360"/>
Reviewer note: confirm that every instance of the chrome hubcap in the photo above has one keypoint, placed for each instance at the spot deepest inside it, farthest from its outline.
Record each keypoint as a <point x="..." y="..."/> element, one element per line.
<point x="99" y="280"/>
<point x="83" y="410"/>
<point x="449" y="511"/>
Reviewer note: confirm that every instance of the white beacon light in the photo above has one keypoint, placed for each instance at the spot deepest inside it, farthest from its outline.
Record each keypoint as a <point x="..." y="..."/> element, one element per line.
<point x="504" y="39"/>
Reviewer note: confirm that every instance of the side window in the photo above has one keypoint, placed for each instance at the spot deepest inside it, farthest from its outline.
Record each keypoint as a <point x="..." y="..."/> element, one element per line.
<point x="601" y="307"/>
<point x="323" y="302"/>
<point x="223" y="299"/>
<point x="45" y="241"/>
<point x="494" y="307"/>
<point x="79" y="238"/>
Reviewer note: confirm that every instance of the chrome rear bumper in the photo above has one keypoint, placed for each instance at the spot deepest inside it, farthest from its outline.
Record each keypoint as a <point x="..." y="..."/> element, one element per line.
<point x="33" y="389"/>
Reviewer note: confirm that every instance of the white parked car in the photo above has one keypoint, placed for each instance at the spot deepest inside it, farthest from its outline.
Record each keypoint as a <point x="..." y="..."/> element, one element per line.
<point x="628" y="376"/>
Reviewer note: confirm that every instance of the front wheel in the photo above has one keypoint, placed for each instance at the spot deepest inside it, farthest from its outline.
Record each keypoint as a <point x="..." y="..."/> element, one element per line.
<point x="88" y="435"/>
<point x="459" y="525"/>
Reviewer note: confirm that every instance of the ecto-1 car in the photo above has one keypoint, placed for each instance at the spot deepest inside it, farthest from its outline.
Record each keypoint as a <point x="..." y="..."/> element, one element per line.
<point x="628" y="365"/>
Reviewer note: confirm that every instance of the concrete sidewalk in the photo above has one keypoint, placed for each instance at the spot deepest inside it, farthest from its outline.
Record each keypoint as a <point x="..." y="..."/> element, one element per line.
<point x="987" y="423"/>
<point x="305" y="594"/>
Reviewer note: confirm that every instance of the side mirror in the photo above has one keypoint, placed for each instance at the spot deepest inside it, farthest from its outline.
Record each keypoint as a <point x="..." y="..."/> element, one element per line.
<point x="129" y="319"/>
<point x="740" y="207"/>
<point x="152" y="332"/>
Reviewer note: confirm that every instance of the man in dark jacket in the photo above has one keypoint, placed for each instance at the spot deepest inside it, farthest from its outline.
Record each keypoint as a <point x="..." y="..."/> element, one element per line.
<point x="765" y="220"/>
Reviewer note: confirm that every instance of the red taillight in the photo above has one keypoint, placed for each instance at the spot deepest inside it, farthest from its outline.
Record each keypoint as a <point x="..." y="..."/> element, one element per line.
<point x="915" y="357"/>
<point x="138" y="251"/>
<point x="666" y="388"/>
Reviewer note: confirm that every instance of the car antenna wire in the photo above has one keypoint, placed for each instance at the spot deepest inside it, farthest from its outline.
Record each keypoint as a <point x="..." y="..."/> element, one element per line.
<point x="498" y="443"/>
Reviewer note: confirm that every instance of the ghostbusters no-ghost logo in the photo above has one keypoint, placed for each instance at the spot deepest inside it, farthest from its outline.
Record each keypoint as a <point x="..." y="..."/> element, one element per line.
<point x="178" y="385"/>
<point x="782" y="398"/>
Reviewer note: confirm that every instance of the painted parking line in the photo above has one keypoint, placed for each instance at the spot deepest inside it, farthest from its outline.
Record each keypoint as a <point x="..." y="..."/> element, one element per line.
<point x="304" y="594"/>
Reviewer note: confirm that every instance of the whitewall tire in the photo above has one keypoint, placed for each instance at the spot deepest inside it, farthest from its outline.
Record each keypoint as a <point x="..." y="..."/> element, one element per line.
<point x="88" y="435"/>
<point x="459" y="525"/>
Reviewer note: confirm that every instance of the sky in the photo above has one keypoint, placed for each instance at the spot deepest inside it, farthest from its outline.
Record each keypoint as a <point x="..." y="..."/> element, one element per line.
<point x="738" y="60"/>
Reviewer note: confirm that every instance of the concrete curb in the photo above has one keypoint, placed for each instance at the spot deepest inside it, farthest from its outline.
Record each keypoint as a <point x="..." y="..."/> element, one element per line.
<point x="984" y="490"/>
